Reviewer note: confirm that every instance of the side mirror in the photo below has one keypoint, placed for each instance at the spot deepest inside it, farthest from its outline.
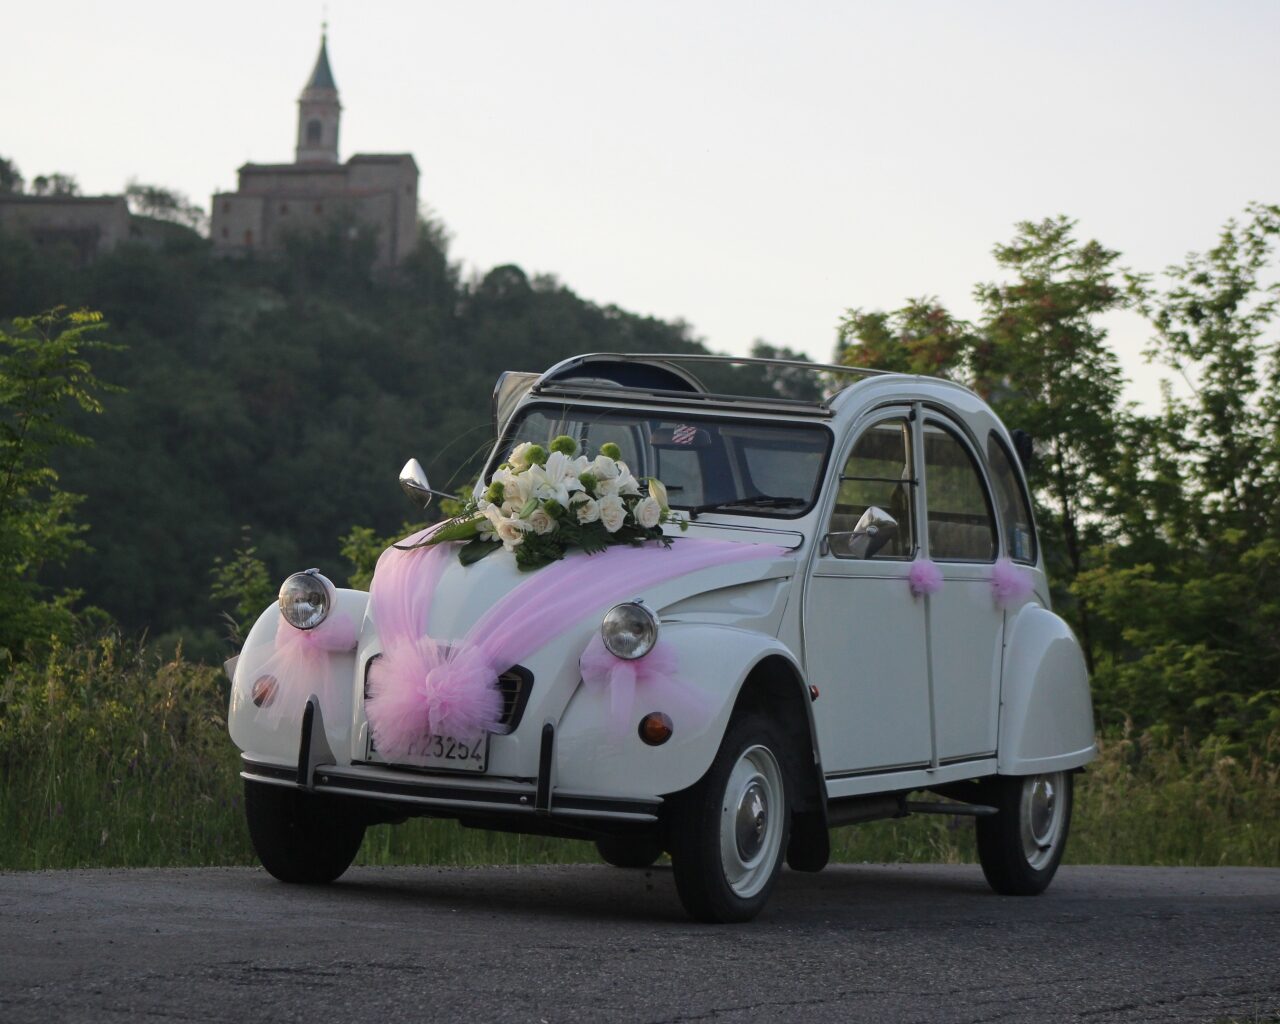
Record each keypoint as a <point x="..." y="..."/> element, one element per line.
<point x="875" y="529"/>
<point x="413" y="481"/>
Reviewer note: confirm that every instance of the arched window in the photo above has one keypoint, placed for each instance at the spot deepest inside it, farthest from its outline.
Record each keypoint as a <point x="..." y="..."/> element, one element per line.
<point x="314" y="130"/>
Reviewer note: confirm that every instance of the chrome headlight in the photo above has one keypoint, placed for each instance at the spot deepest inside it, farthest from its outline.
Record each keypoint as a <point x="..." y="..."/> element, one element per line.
<point x="629" y="630"/>
<point x="305" y="599"/>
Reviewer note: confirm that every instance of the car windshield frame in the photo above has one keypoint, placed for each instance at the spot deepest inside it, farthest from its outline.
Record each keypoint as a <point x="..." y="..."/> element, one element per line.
<point x="599" y="410"/>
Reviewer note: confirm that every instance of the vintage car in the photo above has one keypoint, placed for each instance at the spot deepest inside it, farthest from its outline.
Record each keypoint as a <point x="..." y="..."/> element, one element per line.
<point x="845" y="617"/>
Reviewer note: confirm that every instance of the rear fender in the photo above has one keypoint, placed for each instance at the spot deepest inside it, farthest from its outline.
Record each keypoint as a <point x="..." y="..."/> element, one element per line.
<point x="1046" y="711"/>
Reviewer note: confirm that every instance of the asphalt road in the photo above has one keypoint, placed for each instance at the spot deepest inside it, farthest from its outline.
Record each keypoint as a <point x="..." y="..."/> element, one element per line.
<point x="855" y="943"/>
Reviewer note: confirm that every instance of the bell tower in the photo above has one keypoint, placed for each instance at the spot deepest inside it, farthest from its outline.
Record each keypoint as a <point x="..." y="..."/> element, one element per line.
<point x="318" y="112"/>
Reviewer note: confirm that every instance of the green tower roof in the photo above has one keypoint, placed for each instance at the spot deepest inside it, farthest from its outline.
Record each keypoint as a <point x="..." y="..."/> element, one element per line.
<point x="322" y="76"/>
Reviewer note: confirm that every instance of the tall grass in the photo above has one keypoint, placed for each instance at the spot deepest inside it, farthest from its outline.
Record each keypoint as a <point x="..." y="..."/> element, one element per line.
<point x="111" y="756"/>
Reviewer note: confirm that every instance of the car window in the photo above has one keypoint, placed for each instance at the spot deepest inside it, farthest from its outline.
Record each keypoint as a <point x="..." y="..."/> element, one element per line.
<point x="744" y="467"/>
<point x="961" y="526"/>
<point x="1011" y="502"/>
<point x="877" y="474"/>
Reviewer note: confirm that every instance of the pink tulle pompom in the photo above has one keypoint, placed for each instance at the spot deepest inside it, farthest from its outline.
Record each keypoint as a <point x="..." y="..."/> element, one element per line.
<point x="1010" y="584"/>
<point x="925" y="577"/>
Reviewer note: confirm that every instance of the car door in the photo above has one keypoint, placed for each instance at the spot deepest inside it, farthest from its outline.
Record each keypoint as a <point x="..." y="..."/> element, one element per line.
<point x="864" y="634"/>
<point x="966" y="626"/>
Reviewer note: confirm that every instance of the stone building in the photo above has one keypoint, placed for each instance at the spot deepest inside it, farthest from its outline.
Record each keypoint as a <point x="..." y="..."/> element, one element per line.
<point x="378" y="191"/>
<point x="84" y="227"/>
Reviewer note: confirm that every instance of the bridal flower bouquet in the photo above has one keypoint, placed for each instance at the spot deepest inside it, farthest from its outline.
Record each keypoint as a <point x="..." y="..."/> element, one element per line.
<point x="540" y="503"/>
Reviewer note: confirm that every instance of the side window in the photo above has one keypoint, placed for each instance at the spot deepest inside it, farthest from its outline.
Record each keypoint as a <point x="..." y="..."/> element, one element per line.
<point x="1011" y="502"/>
<point x="961" y="526"/>
<point x="878" y="474"/>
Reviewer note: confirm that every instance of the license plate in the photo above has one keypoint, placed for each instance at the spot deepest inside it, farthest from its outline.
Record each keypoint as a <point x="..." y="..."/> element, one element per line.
<point x="447" y="752"/>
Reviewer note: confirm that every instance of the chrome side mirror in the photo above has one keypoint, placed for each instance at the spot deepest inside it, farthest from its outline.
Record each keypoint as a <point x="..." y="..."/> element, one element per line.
<point x="875" y="529"/>
<point x="413" y="481"/>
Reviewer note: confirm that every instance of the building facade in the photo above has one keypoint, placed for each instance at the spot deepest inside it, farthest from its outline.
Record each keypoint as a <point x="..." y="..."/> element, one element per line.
<point x="378" y="192"/>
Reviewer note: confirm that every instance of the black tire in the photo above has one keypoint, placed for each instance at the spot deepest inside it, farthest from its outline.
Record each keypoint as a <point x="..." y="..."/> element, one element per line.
<point x="301" y="837"/>
<point x="638" y="850"/>
<point x="1021" y="847"/>
<point x="757" y="821"/>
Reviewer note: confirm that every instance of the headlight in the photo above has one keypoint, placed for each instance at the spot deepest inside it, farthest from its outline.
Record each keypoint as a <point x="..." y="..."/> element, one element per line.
<point x="629" y="630"/>
<point x="305" y="599"/>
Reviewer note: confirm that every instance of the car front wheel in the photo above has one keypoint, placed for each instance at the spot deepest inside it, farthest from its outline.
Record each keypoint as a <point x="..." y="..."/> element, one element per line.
<point x="729" y="832"/>
<point x="1021" y="846"/>
<point x="301" y="837"/>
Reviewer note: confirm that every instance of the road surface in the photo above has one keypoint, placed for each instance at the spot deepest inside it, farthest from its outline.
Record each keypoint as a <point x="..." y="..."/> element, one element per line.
<point x="855" y="943"/>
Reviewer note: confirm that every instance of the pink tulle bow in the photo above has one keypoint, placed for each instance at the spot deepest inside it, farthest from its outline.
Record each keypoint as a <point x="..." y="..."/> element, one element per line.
<point x="300" y="665"/>
<point x="1010" y="584"/>
<point x="925" y="577"/>
<point x="651" y="679"/>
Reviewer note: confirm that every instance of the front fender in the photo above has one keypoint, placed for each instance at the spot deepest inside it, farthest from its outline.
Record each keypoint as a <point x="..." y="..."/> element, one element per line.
<point x="275" y="738"/>
<point x="1046" y="711"/>
<point x="713" y="663"/>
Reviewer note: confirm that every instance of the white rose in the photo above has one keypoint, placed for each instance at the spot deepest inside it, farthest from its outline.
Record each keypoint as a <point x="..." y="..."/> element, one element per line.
<point x="588" y="509"/>
<point x="519" y="458"/>
<point x="604" y="468"/>
<point x="511" y="533"/>
<point x="607" y="488"/>
<point x="658" y="492"/>
<point x="541" y="521"/>
<point x="647" y="513"/>
<point x="612" y="513"/>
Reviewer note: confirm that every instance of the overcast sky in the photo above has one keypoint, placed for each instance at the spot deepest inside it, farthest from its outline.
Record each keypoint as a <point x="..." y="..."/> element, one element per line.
<point x="754" y="169"/>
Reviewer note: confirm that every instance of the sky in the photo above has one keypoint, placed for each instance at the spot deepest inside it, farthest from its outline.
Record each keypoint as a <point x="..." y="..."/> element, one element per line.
<point x="753" y="169"/>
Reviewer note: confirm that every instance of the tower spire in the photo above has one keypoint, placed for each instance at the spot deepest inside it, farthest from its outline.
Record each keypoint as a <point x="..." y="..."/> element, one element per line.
<point x="319" y="110"/>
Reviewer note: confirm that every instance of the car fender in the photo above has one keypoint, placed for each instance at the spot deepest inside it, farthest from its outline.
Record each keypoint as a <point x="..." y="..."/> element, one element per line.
<point x="593" y="756"/>
<point x="273" y="738"/>
<point x="1046" y="711"/>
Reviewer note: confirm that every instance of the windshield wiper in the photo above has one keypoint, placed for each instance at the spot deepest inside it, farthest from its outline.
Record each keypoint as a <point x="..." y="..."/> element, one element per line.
<point x="750" y="501"/>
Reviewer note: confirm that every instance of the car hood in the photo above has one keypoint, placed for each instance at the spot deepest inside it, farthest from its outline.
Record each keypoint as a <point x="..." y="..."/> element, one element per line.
<point x="465" y="593"/>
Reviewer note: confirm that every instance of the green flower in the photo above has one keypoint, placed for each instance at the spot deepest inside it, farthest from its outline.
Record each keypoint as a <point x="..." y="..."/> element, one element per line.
<point x="611" y="451"/>
<point x="564" y="444"/>
<point x="588" y="481"/>
<point x="495" y="493"/>
<point x="537" y="455"/>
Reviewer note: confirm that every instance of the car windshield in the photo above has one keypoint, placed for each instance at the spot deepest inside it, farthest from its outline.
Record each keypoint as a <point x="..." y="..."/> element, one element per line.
<point x="736" y="466"/>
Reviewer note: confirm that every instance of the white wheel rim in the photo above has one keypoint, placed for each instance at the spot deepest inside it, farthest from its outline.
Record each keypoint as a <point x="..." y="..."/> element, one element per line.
<point x="1043" y="814"/>
<point x="751" y="819"/>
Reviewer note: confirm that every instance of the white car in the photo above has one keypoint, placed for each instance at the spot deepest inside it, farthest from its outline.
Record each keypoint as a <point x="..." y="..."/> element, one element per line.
<point x="856" y="614"/>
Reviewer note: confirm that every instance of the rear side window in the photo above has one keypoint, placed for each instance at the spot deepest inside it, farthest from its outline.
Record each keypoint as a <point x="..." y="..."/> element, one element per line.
<point x="961" y="527"/>
<point x="1012" y="503"/>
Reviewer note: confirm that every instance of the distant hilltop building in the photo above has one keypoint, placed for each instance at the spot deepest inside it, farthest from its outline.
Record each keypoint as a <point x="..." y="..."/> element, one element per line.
<point x="378" y="191"/>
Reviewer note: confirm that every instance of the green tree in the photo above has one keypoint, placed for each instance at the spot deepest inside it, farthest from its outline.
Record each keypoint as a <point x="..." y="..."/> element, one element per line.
<point x="164" y="204"/>
<point x="56" y="184"/>
<point x="43" y="372"/>
<point x="11" y="181"/>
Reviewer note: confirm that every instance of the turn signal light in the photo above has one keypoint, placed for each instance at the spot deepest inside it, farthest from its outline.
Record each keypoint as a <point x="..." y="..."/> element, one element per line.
<point x="264" y="690"/>
<point x="655" y="728"/>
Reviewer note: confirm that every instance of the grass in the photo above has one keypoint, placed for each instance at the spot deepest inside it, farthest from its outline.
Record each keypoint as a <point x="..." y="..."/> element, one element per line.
<point x="113" y="758"/>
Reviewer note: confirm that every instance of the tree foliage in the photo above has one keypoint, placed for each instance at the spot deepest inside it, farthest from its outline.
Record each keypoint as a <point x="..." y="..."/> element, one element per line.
<point x="44" y="373"/>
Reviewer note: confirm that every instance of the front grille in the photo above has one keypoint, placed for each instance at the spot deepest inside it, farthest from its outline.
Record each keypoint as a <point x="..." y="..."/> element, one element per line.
<point x="516" y="683"/>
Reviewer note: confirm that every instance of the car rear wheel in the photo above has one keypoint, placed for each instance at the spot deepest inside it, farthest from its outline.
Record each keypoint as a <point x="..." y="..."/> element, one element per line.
<point x="301" y="837"/>
<point x="629" y="851"/>
<point x="729" y="832"/>
<point x="1021" y="846"/>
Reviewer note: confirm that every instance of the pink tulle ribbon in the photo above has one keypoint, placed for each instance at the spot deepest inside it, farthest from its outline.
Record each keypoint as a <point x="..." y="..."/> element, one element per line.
<point x="1010" y="584"/>
<point x="650" y="680"/>
<point x="925" y="577"/>
<point x="300" y="665"/>
<point x="420" y="688"/>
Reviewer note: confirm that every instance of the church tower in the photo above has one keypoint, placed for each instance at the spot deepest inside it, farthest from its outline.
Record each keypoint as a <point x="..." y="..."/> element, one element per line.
<point x="318" y="113"/>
